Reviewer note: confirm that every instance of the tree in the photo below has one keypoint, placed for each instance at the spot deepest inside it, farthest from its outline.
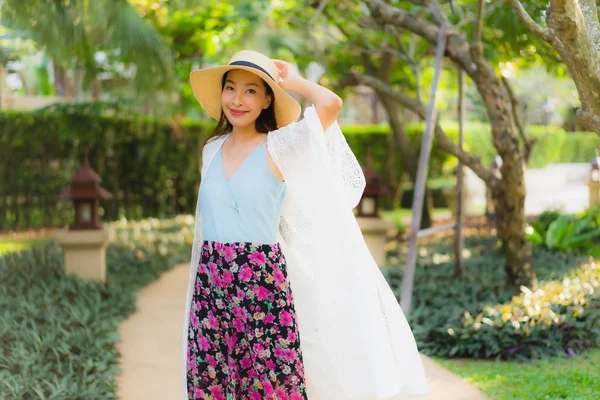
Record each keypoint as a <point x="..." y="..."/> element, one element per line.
<point x="573" y="30"/>
<point x="394" y="29"/>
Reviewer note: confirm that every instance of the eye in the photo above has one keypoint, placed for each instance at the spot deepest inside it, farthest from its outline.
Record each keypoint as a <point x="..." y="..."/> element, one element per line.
<point x="228" y="87"/>
<point x="251" y="91"/>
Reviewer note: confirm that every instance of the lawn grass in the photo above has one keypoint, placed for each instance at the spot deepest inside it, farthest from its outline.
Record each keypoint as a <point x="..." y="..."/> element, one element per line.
<point x="576" y="378"/>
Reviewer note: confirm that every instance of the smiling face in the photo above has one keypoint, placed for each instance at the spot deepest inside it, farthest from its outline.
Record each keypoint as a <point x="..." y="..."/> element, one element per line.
<point x="244" y="97"/>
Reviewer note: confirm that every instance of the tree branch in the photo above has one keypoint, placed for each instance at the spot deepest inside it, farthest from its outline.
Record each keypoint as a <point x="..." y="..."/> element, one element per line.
<point x="458" y="49"/>
<point x="590" y="16"/>
<point x="545" y="34"/>
<point x="478" y="28"/>
<point x="442" y="140"/>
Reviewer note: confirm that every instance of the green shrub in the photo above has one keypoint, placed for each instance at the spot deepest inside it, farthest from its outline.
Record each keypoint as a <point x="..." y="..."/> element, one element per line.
<point x="478" y="317"/>
<point x="58" y="333"/>
<point x="567" y="232"/>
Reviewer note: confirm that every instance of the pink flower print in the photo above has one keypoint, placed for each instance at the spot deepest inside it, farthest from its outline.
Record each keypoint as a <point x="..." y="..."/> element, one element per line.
<point x="246" y="363"/>
<point x="229" y="253"/>
<point x="285" y="318"/>
<point x="268" y="387"/>
<point x="237" y="324"/>
<point x="212" y="361"/>
<point x="270" y="364"/>
<point x="202" y="269"/>
<point x="203" y="343"/>
<point x="279" y="353"/>
<point x="296" y="396"/>
<point x="257" y="258"/>
<point x="198" y="393"/>
<point x="219" y="247"/>
<point x="278" y="276"/>
<point x="217" y="392"/>
<point x="281" y="393"/>
<point x="269" y="319"/>
<point x="258" y="348"/>
<point x="262" y="293"/>
<point x="290" y="355"/>
<point x="240" y="312"/>
<point x="194" y="319"/>
<point x="193" y="367"/>
<point x="213" y="322"/>
<point x="227" y="278"/>
<point x="292" y="336"/>
<point x="255" y="396"/>
<point x="246" y="273"/>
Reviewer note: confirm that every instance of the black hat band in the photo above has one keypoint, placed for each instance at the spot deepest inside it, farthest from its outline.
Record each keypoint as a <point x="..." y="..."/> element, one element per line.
<point x="252" y="65"/>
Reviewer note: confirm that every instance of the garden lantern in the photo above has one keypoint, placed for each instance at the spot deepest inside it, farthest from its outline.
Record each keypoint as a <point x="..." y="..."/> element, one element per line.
<point x="85" y="241"/>
<point x="369" y="202"/>
<point x="85" y="192"/>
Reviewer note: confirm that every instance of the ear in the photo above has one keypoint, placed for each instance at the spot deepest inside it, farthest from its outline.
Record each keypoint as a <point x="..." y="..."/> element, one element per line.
<point x="268" y="101"/>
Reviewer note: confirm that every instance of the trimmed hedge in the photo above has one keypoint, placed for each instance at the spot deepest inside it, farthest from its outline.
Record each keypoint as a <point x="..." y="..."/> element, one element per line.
<point x="478" y="317"/>
<point x="149" y="165"/>
<point x="58" y="333"/>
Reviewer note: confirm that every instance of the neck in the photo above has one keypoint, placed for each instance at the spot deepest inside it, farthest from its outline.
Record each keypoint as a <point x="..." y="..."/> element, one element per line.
<point x="244" y="134"/>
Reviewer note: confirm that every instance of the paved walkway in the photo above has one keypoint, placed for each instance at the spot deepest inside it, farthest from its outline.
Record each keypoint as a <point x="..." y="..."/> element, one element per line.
<point x="151" y="348"/>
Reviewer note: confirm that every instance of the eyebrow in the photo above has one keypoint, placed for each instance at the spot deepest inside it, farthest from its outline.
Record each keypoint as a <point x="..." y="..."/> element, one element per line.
<point x="247" y="84"/>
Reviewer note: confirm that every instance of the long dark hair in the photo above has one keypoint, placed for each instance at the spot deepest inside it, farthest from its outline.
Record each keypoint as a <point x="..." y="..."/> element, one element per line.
<point x="265" y="123"/>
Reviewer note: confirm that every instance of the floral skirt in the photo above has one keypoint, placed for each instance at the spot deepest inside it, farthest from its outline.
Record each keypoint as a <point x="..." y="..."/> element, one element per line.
<point x="243" y="341"/>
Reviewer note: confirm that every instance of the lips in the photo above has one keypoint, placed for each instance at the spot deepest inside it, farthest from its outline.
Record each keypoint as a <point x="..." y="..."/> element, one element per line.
<point x="237" y="113"/>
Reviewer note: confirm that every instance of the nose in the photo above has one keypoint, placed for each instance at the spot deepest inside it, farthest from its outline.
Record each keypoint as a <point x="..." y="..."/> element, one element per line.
<point x="237" y="98"/>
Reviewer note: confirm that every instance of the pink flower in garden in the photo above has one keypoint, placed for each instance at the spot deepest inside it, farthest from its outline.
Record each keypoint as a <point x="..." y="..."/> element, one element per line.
<point x="203" y="343"/>
<point x="257" y="258"/>
<point x="269" y="318"/>
<point x="285" y="318"/>
<point x="246" y="363"/>
<point x="278" y="276"/>
<point x="262" y="293"/>
<point x="246" y="273"/>
<point x="229" y="253"/>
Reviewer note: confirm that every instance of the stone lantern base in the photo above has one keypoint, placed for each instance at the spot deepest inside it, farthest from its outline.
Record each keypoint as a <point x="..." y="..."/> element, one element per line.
<point x="374" y="231"/>
<point x="85" y="252"/>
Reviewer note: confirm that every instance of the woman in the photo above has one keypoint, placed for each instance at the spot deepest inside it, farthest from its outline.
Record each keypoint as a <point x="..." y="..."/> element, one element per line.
<point x="284" y="299"/>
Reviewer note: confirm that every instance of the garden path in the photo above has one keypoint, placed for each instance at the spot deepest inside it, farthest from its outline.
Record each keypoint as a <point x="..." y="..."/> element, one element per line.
<point x="151" y="348"/>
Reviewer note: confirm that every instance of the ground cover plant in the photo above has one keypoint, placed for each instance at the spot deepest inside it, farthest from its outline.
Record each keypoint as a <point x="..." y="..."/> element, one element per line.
<point x="58" y="333"/>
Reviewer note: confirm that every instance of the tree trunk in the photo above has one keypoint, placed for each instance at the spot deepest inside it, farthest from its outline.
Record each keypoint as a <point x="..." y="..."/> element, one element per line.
<point x="408" y="155"/>
<point x="509" y="193"/>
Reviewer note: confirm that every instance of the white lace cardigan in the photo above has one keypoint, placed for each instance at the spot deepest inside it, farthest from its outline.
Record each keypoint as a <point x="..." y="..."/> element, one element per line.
<point x="355" y="340"/>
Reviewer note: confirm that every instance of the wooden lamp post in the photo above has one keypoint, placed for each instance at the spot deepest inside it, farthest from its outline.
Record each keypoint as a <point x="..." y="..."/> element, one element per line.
<point x="374" y="229"/>
<point x="594" y="182"/>
<point x="85" y="241"/>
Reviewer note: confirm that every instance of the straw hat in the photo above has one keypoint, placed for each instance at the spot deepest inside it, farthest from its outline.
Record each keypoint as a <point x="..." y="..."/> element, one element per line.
<point x="206" y="84"/>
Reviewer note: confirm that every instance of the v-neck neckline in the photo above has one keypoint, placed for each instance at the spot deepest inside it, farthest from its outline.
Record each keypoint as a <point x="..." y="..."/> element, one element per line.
<point x="228" y="180"/>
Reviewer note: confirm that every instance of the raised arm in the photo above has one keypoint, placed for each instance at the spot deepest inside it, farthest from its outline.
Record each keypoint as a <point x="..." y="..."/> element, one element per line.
<point x="327" y="104"/>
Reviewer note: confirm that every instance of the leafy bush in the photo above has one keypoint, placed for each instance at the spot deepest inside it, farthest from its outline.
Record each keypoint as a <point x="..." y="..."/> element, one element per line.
<point x="58" y="333"/>
<point x="478" y="317"/>
<point x="567" y="232"/>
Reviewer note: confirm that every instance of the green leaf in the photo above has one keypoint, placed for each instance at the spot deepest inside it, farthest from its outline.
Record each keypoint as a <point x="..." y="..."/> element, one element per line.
<point x="557" y="230"/>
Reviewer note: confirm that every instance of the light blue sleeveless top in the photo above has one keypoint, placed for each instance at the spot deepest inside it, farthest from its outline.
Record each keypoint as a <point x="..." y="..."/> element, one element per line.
<point x="247" y="208"/>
